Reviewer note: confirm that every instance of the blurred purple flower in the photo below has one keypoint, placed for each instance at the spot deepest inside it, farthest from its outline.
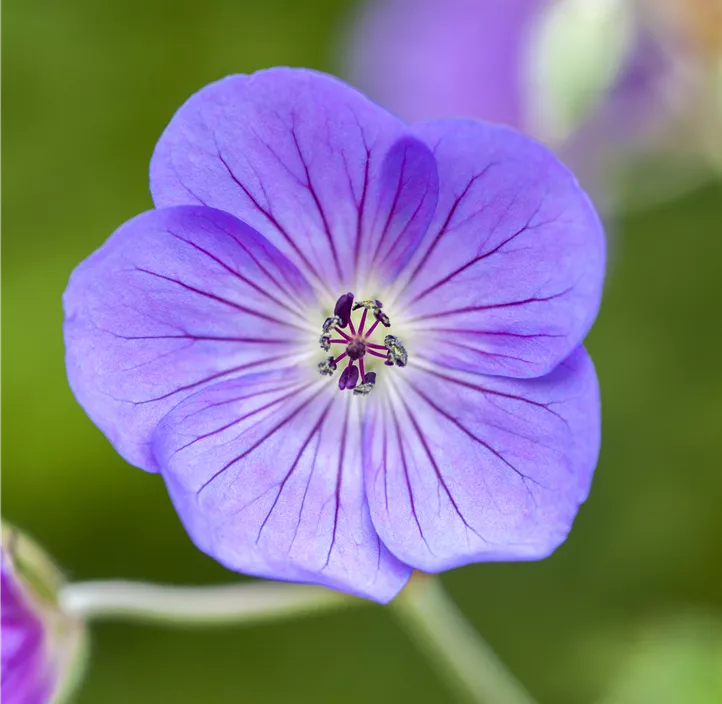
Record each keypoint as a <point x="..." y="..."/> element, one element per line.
<point x="425" y="59"/>
<point x="39" y="643"/>
<point x="441" y="277"/>
<point x="27" y="675"/>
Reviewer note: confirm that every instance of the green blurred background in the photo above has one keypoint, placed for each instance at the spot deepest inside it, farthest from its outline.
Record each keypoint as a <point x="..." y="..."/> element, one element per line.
<point x="88" y="88"/>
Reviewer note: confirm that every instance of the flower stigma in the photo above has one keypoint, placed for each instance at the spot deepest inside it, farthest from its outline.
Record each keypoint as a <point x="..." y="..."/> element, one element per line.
<point x="358" y="343"/>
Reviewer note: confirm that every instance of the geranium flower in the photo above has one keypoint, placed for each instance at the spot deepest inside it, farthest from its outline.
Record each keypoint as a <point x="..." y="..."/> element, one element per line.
<point x="607" y="85"/>
<point x="42" y="647"/>
<point x="351" y="347"/>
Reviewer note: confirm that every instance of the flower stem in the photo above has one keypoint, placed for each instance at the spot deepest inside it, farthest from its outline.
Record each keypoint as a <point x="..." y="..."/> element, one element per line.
<point x="467" y="663"/>
<point x="250" y="602"/>
<point x="423" y="608"/>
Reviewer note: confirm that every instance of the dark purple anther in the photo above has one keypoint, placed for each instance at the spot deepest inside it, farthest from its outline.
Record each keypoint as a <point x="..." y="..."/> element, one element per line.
<point x="348" y="378"/>
<point x="356" y="349"/>
<point x="382" y="318"/>
<point x="343" y="309"/>
<point x="370" y="378"/>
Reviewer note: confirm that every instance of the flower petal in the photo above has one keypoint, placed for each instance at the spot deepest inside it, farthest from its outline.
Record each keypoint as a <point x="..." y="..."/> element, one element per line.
<point x="28" y="671"/>
<point x="330" y="178"/>
<point x="173" y="301"/>
<point x="465" y="468"/>
<point x="434" y="58"/>
<point x="265" y="472"/>
<point x="509" y="278"/>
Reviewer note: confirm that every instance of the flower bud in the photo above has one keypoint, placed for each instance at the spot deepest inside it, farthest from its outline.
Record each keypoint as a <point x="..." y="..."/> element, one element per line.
<point x="42" y="647"/>
<point x="577" y="51"/>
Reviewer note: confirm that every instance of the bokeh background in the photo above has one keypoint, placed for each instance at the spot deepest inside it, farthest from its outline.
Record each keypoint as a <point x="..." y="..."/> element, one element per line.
<point x="88" y="87"/>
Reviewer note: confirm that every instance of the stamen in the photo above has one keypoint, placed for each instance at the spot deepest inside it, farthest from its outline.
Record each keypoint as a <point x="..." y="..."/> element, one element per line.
<point x="375" y="308"/>
<point x="397" y="352"/>
<point x="342" y="309"/>
<point x="368" y="384"/>
<point x="382" y="318"/>
<point x="357" y="345"/>
<point x="330" y="323"/>
<point x="327" y="367"/>
<point x="362" y="324"/>
<point x="348" y="378"/>
<point x="372" y="328"/>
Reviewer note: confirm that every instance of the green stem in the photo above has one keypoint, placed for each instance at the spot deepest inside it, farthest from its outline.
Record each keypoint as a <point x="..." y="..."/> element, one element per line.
<point x="466" y="662"/>
<point x="469" y="666"/>
<point x="248" y="602"/>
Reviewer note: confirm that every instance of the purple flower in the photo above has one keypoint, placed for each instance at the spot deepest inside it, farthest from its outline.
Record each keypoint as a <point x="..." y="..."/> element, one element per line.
<point x="26" y="673"/>
<point x="426" y="59"/>
<point x="39" y="642"/>
<point x="446" y="58"/>
<point x="351" y="347"/>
